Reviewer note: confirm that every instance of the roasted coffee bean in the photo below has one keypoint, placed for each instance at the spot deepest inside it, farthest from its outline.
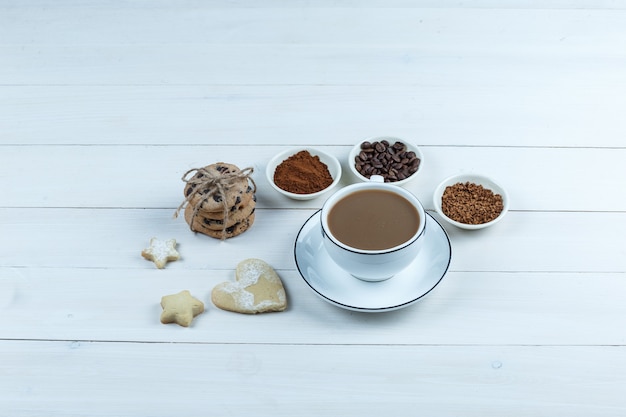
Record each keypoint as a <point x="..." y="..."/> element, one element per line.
<point x="392" y="162"/>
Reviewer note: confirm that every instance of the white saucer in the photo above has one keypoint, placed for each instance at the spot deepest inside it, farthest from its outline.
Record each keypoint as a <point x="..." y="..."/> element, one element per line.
<point x="338" y="287"/>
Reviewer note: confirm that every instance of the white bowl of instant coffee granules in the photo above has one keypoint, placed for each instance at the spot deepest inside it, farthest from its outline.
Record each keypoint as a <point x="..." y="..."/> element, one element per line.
<point x="470" y="201"/>
<point x="395" y="159"/>
<point x="303" y="173"/>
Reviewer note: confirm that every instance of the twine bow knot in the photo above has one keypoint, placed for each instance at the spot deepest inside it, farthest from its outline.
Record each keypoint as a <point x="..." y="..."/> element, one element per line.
<point x="207" y="184"/>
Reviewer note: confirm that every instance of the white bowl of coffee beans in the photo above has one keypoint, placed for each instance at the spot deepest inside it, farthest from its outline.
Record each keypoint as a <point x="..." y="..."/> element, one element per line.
<point x="470" y="201"/>
<point x="395" y="159"/>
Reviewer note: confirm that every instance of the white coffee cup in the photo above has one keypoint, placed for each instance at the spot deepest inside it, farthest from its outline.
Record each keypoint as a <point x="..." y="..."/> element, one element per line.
<point x="373" y="265"/>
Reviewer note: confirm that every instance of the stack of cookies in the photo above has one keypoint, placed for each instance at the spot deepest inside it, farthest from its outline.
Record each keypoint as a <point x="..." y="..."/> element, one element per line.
<point x="221" y="211"/>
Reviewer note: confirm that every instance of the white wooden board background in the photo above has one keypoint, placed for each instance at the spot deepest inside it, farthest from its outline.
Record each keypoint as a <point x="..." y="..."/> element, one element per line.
<point x="103" y="107"/>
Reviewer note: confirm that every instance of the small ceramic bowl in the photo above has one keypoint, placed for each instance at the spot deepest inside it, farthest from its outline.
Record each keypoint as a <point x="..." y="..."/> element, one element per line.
<point x="356" y="150"/>
<point x="334" y="168"/>
<point x="486" y="182"/>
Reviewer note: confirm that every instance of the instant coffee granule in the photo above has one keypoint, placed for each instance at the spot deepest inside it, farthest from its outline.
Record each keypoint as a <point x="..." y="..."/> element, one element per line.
<point x="470" y="203"/>
<point x="302" y="173"/>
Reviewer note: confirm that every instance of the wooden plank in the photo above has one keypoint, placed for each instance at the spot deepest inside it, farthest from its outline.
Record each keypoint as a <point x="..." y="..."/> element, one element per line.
<point x="579" y="242"/>
<point x="170" y="379"/>
<point x="540" y="66"/>
<point x="305" y="4"/>
<point x="104" y="106"/>
<point x="466" y="308"/>
<point x="500" y="82"/>
<point x="512" y="104"/>
<point x="118" y="24"/>
<point x="150" y="176"/>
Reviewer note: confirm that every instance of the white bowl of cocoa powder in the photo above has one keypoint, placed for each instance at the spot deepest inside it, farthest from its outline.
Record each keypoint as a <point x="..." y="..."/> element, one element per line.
<point x="470" y="201"/>
<point x="303" y="173"/>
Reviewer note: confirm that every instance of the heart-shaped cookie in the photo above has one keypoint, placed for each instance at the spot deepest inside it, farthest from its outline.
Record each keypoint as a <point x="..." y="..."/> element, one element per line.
<point x="257" y="289"/>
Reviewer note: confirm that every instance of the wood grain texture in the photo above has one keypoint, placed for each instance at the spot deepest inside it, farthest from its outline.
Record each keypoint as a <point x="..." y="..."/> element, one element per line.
<point x="290" y="379"/>
<point x="144" y="176"/>
<point x="104" y="106"/>
<point x="564" y="110"/>
<point x="467" y="308"/>
<point x="471" y="75"/>
<point x="114" y="239"/>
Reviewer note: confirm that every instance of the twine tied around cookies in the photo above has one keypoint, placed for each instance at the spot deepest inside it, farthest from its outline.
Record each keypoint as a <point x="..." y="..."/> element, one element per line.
<point x="208" y="184"/>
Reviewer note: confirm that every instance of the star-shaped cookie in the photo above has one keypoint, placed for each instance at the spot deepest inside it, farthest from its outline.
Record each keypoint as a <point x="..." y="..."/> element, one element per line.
<point x="180" y="308"/>
<point x="161" y="252"/>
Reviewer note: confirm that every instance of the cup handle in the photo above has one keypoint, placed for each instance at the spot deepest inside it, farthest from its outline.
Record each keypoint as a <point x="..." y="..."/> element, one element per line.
<point x="377" y="178"/>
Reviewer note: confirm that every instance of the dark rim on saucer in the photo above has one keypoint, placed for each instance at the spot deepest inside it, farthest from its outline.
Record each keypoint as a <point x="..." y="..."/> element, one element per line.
<point x="375" y="309"/>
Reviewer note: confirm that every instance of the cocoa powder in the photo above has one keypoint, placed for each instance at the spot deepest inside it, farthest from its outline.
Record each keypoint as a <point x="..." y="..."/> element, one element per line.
<point x="302" y="173"/>
<point x="470" y="203"/>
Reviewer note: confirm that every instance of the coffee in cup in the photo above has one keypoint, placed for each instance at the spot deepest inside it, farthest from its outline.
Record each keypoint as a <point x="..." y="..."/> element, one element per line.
<point x="373" y="230"/>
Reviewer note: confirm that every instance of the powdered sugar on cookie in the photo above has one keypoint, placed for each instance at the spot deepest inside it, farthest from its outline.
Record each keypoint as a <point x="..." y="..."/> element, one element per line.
<point x="161" y="252"/>
<point x="257" y="289"/>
